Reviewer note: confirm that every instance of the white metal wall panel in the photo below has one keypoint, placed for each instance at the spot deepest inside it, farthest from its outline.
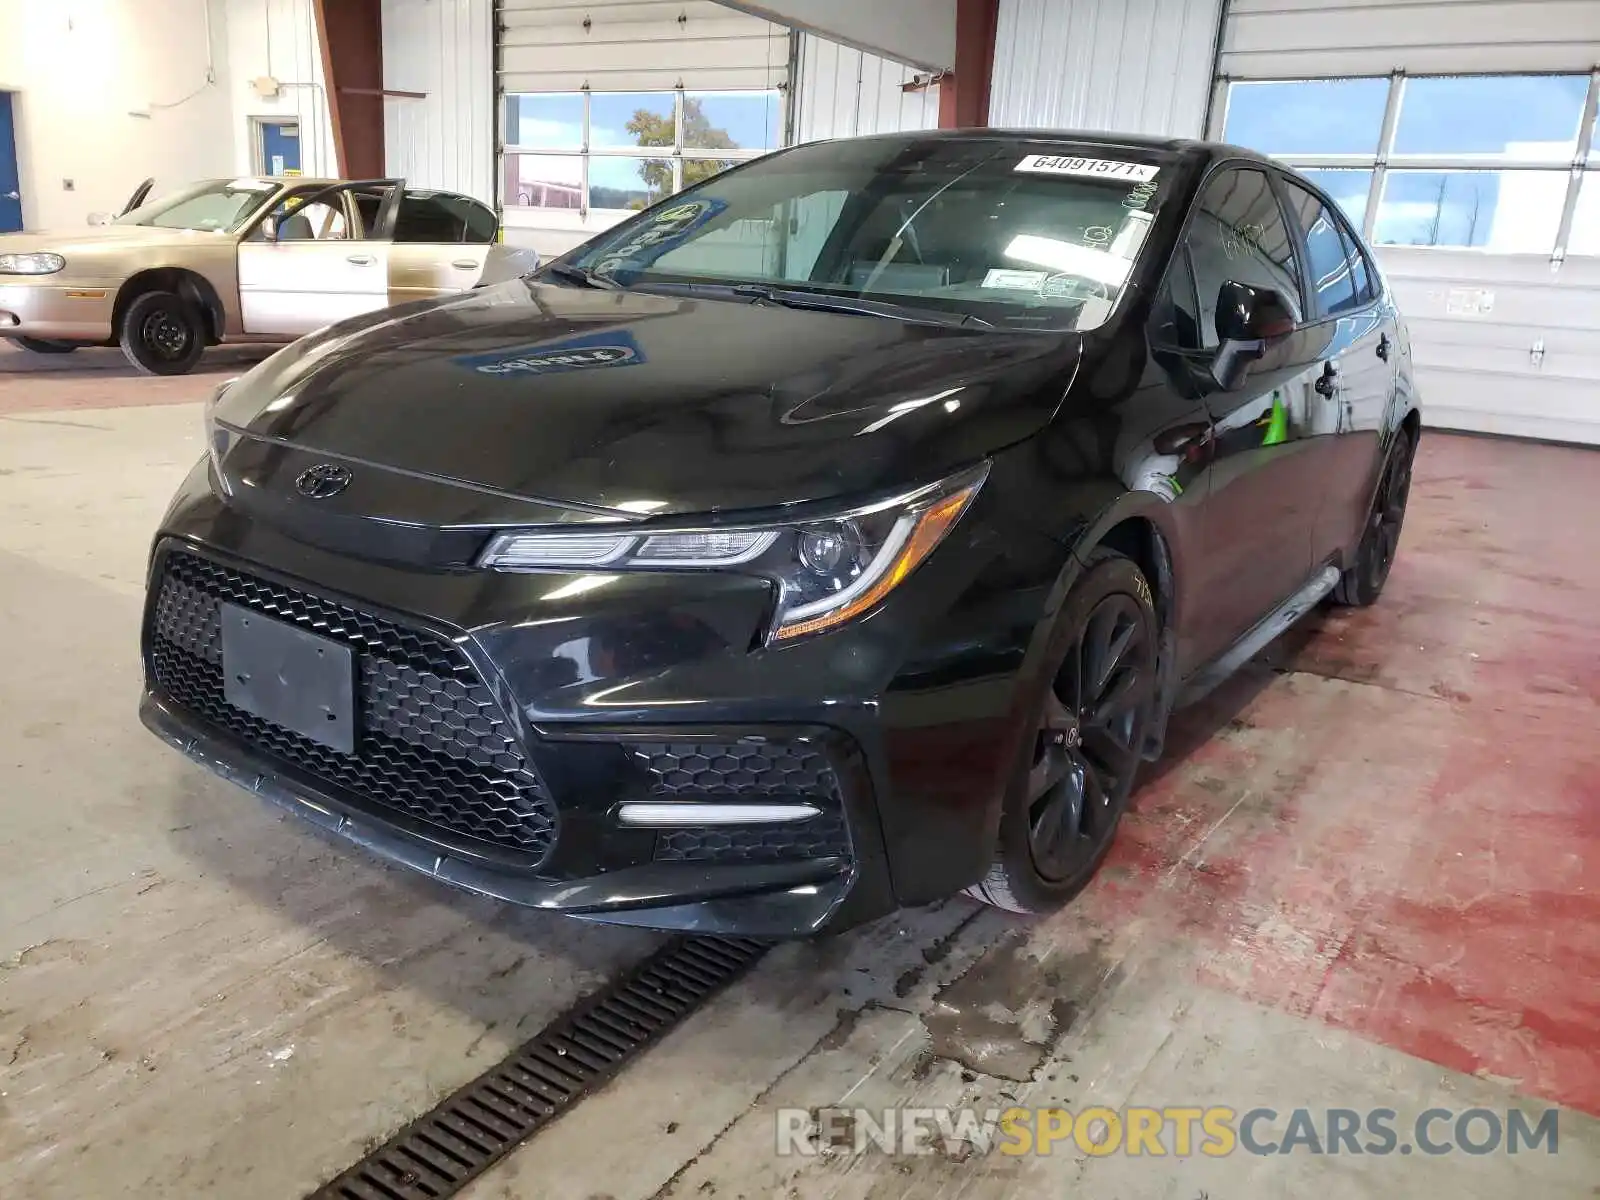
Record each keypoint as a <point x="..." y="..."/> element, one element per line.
<point x="443" y="48"/>
<point x="844" y="92"/>
<point x="278" y="39"/>
<point x="917" y="31"/>
<point x="1502" y="343"/>
<point x="1289" y="39"/>
<point x="637" y="45"/>
<point x="1135" y="66"/>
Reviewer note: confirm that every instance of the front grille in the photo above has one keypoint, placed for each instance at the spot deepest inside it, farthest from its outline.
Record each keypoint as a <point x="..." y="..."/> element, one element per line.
<point x="432" y="743"/>
<point x="754" y="770"/>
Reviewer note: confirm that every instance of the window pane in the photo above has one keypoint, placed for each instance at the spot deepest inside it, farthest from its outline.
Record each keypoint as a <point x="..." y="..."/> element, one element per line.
<point x="1348" y="189"/>
<point x="1529" y="116"/>
<point x="1585" y="237"/>
<point x="425" y="218"/>
<point x="732" y="120"/>
<point x="480" y="221"/>
<point x="554" y="121"/>
<point x="628" y="183"/>
<point x="1358" y="269"/>
<point x="544" y="181"/>
<point x="1511" y="212"/>
<point x="1318" y="116"/>
<point x="1239" y="234"/>
<point x="696" y="169"/>
<point x="1327" y="269"/>
<point x="618" y="120"/>
<point x="1175" y="320"/>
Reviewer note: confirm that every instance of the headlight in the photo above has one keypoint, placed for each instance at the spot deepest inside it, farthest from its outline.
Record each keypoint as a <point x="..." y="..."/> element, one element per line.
<point x="828" y="571"/>
<point x="31" y="264"/>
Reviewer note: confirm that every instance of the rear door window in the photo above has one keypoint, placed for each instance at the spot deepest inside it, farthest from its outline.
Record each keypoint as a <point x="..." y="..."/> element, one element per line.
<point x="425" y="217"/>
<point x="1328" y="270"/>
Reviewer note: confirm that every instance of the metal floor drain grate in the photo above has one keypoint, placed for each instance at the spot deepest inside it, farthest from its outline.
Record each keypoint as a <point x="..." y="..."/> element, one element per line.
<point x="442" y="1151"/>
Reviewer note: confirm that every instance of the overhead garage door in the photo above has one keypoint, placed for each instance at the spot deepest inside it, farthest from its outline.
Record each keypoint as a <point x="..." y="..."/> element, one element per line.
<point x="608" y="105"/>
<point x="1459" y="135"/>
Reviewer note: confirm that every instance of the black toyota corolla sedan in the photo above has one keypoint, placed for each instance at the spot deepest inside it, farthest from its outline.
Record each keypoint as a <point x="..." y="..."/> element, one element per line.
<point x="834" y="536"/>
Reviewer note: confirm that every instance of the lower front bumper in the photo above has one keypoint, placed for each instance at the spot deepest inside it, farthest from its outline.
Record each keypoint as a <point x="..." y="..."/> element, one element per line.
<point x="752" y="900"/>
<point x="52" y="311"/>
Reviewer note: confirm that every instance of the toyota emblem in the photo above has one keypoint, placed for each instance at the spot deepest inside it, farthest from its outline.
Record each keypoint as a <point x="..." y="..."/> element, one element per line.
<point x="323" y="480"/>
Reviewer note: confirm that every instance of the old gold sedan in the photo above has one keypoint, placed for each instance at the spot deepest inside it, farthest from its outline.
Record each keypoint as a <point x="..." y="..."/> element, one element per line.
<point x="245" y="260"/>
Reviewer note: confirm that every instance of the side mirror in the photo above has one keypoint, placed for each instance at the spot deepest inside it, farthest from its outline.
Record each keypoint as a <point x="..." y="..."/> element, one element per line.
<point x="1249" y="320"/>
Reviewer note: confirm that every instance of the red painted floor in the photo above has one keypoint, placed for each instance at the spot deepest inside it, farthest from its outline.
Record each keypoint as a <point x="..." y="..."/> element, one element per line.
<point x="1391" y="823"/>
<point x="102" y="378"/>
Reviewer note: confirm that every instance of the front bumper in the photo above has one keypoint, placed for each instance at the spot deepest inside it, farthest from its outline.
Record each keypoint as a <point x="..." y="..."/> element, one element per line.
<point x="66" y="312"/>
<point x="895" y="728"/>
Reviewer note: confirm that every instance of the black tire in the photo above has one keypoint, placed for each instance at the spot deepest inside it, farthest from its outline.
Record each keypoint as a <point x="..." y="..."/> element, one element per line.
<point x="1073" y="777"/>
<point x="46" y="346"/>
<point x="1362" y="583"/>
<point x="162" y="334"/>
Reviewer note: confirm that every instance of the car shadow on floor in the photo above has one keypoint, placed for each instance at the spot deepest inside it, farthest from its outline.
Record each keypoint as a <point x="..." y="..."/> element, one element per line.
<point x="108" y="362"/>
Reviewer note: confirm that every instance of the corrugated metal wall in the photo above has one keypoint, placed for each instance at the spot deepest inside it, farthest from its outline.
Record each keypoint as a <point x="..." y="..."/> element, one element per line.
<point x="1137" y="66"/>
<point x="1289" y="39"/>
<point x="446" y="49"/>
<point x="843" y="92"/>
<point x="1503" y="343"/>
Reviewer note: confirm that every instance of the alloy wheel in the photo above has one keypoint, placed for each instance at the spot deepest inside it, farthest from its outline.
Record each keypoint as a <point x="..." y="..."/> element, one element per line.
<point x="1388" y="515"/>
<point x="1087" y="746"/>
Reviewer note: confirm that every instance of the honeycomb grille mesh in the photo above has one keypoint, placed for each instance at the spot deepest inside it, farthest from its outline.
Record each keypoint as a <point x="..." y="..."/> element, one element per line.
<point x="749" y="770"/>
<point x="432" y="742"/>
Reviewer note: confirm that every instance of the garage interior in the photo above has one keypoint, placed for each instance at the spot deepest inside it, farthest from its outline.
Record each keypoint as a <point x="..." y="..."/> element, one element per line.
<point x="1364" y="875"/>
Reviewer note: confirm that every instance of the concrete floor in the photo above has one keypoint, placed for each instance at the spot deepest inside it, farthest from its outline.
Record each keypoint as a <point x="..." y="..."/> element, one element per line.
<point x="1367" y="874"/>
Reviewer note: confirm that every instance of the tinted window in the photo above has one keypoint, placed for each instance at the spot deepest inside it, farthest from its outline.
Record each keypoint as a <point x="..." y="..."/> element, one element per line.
<point x="481" y="224"/>
<point x="426" y="218"/>
<point x="1176" y="317"/>
<point x="1238" y="234"/>
<point x="1366" y="290"/>
<point x="1327" y="268"/>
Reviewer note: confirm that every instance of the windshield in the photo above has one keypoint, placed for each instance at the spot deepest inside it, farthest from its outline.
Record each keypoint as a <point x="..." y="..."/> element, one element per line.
<point x="217" y="206"/>
<point x="1005" y="231"/>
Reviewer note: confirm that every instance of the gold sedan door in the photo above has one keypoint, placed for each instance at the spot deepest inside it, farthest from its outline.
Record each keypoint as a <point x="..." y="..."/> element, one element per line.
<point x="309" y="263"/>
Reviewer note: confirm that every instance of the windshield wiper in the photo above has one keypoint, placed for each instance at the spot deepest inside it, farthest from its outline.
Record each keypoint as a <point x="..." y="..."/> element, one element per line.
<point x="792" y="298"/>
<point x="582" y="277"/>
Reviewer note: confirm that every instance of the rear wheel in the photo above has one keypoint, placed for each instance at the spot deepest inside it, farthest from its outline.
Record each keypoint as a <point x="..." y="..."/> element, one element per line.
<point x="1363" y="582"/>
<point x="45" y="346"/>
<point x="162" y="334"/>
<point x="1071" y="785"/>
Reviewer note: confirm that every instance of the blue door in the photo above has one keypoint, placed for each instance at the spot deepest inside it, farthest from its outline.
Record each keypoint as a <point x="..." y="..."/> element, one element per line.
<point x="280" y="147"/>
<point x="10" y="193"/>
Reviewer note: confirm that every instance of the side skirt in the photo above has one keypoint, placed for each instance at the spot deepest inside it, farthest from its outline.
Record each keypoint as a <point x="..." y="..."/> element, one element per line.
<point x="1203" y="681"/>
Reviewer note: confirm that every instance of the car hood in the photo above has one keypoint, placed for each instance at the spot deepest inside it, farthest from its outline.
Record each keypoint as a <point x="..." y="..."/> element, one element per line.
<point x="100" y="237"/>
<point x="652" y="404"/>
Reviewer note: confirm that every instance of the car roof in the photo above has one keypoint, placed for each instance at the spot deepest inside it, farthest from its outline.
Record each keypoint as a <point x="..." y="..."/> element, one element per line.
<point x="327" y="181"/>
<point x="1192" y="149"/>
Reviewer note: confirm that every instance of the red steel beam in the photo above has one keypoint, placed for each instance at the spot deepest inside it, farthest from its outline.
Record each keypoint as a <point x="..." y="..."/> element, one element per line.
<point x="964" y="92"/>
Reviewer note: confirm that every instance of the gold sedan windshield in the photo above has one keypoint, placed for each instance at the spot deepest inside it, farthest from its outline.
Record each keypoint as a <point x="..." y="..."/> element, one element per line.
<point x="216" y="206"/>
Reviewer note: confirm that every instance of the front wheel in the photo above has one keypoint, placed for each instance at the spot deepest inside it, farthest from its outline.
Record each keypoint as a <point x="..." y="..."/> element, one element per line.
<point x="162" y="334"/>
<point x="1071" y="784"/>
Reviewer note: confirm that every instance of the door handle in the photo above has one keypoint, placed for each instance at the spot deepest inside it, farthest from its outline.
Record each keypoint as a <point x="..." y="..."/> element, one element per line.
<point x="1326" y="380"/>
<point x="1383" y="347"/>
<point x="360" y="260"/>
<point x="465" y="264"/>
<point x="13" y="195"/>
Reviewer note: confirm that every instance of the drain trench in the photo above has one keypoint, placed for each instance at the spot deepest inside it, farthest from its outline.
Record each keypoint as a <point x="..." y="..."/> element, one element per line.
<point x="471" y="1130"/>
